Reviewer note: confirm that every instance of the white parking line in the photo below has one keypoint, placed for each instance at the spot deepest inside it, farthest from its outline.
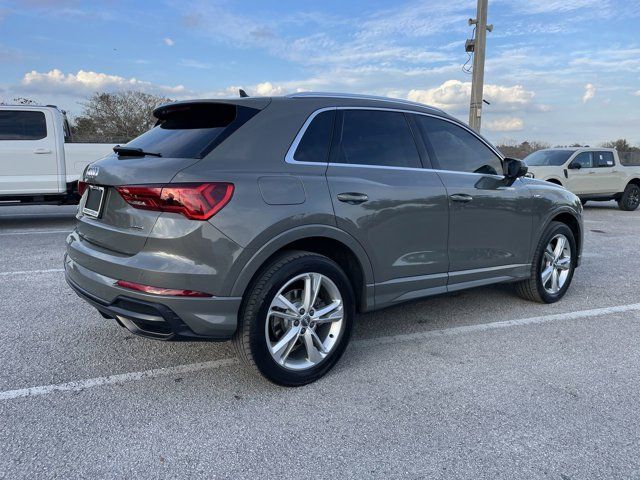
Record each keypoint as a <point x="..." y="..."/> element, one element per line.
<point x="33" y="232"/>
<point x="215" y="364"/>
<point x="27" y="272"/>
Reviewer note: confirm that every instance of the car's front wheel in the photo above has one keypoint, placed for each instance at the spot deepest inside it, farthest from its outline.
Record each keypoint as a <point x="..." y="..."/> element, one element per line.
<point x="296" y="319"/>
<point x="630" y="199"/>
<point x="553" y="265"/>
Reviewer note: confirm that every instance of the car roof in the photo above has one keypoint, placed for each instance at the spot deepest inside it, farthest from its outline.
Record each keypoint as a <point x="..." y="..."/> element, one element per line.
<point x="319" y="99"/>
<point x="364" y="98"/>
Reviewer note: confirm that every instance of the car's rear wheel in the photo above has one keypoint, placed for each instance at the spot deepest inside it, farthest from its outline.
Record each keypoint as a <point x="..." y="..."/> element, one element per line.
<point x="630" y="199"/>
<point x="296" y="319"/>
<point x="553" y="265"/>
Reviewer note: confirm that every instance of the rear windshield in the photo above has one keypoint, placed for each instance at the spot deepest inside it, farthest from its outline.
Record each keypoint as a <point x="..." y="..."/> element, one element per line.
<point x="548" y="158"/>
<point x="192" y="131"/>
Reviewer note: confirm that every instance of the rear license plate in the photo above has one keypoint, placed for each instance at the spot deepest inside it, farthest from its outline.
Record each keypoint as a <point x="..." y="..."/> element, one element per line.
<point x="93" y="205"/>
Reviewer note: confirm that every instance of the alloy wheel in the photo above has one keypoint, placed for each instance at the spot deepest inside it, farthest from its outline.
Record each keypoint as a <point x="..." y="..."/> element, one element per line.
<point x="556" y="264"/>
<point x="304" y="321"/>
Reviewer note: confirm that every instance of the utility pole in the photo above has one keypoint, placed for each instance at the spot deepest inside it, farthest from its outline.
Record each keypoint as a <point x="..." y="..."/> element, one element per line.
<point x="477" y="46"/>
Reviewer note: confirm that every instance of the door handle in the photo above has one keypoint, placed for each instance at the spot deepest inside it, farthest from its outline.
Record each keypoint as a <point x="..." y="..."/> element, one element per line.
<point x="42" y="151"/>
<point x="461" y="197"/>
<point x="353" y="198"/>
<point x="592" y="173"/>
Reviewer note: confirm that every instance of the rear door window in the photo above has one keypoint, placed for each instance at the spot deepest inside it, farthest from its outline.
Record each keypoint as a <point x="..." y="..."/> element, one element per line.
<point x="22" y="125"/>
<point x="603" y="159"/>
<point x="457" y="149"/>
<point x="376" y="137"/>
<point x="192" y="131"/>
<point x="315" y="142"/>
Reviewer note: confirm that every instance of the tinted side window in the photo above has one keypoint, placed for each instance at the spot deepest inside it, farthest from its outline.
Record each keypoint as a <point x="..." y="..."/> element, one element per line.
<point x="22" y="125"/>
<point x="456" y="149"/>
<point x="584" y="159"/>
<point x="376" y="137"/>
<point x="603" y="159"/>
<point x="314" y="145"/>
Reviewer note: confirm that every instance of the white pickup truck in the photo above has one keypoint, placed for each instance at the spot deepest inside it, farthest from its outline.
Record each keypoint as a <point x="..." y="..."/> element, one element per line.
<point x="590" y="173"/>
<point x="39" y="164"/>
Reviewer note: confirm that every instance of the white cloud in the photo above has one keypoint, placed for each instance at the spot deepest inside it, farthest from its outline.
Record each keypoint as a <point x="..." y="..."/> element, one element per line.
<point x="267" y="89"/>
<point x="589" y="92"/>
<point x="169" y="42"/>
<point x="637" y="93"/>
<point x="86" y="82"/>
<point x="455" y="95"/>
<point x="505" y="124"/>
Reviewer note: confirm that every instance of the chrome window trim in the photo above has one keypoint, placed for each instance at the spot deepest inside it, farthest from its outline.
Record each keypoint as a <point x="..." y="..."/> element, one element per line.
<point x="289" y="158"/>
<point x="296" y="141"/>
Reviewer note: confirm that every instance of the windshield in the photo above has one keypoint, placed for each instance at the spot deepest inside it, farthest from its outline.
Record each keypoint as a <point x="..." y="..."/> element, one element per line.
<point x="548" y="158"/>
<point x="192" y="131"/>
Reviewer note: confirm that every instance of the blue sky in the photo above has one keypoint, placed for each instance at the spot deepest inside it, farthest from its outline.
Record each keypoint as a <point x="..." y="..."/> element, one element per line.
<point x="560" y="71"/>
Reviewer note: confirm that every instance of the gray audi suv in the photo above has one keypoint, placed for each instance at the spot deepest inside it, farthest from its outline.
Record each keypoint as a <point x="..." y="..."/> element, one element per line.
<point x="272" y="221"/>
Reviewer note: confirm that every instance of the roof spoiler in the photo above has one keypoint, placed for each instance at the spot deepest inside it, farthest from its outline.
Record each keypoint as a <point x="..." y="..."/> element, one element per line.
<point x="258" y="103"/>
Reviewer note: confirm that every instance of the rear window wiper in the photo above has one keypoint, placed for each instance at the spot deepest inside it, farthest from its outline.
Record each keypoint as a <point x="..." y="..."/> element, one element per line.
<point x="133" y="152"/>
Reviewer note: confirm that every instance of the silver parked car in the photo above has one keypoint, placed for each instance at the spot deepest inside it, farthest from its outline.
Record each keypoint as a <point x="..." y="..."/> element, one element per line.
<point x="272" y="221"/>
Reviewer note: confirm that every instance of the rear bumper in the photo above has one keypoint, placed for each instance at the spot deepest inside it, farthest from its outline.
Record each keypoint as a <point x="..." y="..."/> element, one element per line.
<point x="155" y="316"/>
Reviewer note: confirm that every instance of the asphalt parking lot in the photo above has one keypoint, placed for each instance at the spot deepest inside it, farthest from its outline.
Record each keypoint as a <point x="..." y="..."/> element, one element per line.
<point x="479" y="384"/>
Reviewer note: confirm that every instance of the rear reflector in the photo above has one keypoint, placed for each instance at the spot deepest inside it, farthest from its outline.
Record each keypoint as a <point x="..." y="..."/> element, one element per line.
<point x="197" y="201"/>
<point x="160" y="291"/>
<point x="82" y="186"/>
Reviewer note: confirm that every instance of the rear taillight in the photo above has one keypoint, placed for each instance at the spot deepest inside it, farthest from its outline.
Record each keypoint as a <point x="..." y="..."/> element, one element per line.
<point x="197" y="201"/>
<point x="82" y="186"/>
<point x="160" y="291"/>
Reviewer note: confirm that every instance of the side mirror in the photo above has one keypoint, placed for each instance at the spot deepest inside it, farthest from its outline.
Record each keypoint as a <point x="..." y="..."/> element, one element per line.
<point x="514" y="168"/>
<point x="574" y="166"/>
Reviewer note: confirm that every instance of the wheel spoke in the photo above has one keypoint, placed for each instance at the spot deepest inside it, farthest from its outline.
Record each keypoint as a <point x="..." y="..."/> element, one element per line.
<point x="554" y="281"/>
<point x="319" y="343"/>
<point x="334" y="316"/>
<point x="286" y="353"/>
<point x="548" y="254"/>
<point x="327" y="309"/>
<point x="313" y="354"/>
<point x="560" y="244"/>
<point x="316" y="283"/>
<point x="564" y="263"/>
<point x="292" y="334"/>
<point x="278" y="313"/>
<point x="546" y="275"/>
<point x="282" y="302"/>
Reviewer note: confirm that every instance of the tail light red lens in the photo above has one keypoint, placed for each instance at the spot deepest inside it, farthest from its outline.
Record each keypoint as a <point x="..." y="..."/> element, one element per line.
<point x="82" y="186"/>
<point x="197" y="201"/>
<point x="160" y="291"/>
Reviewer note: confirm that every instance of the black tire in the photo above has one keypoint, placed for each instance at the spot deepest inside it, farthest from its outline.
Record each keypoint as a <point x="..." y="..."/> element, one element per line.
<point x="532" y="288"/>
<point x="630" y="199"/>
<point x="249" y="340"/>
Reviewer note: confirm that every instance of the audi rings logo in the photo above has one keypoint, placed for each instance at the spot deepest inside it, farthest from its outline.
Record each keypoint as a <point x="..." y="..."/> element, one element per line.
<point x="92" y="172"/>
